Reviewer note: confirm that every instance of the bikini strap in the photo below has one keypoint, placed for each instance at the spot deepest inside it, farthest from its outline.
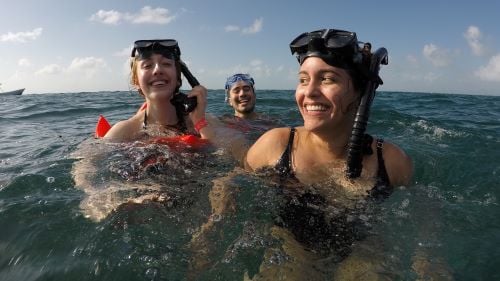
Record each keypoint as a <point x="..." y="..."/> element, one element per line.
<point x="284" y="164"/>
<point x="382" y="188"/>
<point x="289" y="149"/>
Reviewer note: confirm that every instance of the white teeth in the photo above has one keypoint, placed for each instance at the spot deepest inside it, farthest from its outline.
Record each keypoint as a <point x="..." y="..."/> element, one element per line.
<point x="316" y="107"/>
<point x="158" y="83"/>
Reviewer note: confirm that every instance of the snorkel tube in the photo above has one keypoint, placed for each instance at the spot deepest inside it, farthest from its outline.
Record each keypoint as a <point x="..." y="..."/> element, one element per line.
<point x="181" y="101"/>
<point x="355" y="147"/>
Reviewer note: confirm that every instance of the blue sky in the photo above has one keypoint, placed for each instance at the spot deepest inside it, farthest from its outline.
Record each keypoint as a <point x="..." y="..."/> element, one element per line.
<point x="53" y="46"/>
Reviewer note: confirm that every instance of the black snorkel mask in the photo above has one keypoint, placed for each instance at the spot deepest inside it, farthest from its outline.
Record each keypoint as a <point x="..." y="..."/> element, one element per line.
<point x="336" y="47"/>
<point x="168" y="48"/>
<point x="340" y="48"/>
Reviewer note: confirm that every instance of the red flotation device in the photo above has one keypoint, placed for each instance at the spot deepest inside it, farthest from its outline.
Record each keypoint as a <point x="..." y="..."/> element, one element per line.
<point x="102" y="127"/>
<point x="183" y="141"/>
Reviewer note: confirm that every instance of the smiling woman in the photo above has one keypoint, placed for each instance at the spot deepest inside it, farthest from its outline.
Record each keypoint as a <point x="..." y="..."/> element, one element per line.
<point x="156" y="74"/>
<point x="310" y="161"/>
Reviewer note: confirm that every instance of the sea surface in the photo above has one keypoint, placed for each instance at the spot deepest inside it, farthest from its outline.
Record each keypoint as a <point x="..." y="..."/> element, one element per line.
<point x="451" y="211"/>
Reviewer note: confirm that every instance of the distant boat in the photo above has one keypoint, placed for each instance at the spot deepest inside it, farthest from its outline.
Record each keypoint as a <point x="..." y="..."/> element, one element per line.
<point x="13" y="93"/>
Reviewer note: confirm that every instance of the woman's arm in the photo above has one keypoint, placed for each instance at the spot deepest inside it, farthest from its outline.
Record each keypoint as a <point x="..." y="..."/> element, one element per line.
<point x="398" y="164"/>
<point x="267" y="150"/>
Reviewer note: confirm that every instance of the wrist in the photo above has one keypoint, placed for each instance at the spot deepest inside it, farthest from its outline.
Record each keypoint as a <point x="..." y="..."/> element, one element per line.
<point x="202" y="123"/>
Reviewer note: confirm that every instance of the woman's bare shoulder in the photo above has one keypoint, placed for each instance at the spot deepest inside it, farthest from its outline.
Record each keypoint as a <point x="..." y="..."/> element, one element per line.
<point x="267" y="149"/>
<point x="399" y="165"/>
<point x="123" y="130"/>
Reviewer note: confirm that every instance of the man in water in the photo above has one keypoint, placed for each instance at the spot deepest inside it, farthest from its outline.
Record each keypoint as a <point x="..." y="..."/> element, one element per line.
<point x="240" y="95"/>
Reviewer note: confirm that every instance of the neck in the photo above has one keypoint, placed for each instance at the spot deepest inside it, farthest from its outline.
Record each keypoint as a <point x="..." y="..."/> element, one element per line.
<point x="163" y="114"/>
<point x="333" y="140"/>
<point x="252" y="115"/>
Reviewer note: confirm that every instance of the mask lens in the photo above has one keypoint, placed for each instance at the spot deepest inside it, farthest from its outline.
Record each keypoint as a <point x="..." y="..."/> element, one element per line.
<point x="339" y="39"/>
<point x="299" y="44"/>
<point x="165" y="47"/>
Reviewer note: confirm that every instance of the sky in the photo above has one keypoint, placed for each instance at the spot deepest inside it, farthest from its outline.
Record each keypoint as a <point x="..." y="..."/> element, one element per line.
<point x="59" y="46"/>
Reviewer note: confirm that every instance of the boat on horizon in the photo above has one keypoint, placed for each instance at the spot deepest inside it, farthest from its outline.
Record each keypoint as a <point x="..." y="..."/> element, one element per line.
<point x="13" y="93"/>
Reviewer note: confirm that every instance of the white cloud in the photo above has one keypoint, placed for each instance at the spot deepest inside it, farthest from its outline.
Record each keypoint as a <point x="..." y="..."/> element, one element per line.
<point x="149" y="15"/>
<point x="145" y="15"/>
<point x="125" y="52"/>
<point x="24" y="62"/>
<point x="88" y="64"/>
<point x="21" y="37"/>
<point x="490" y="72"/>
<point x="254" y="28"/>
<point x="473" y="36"/>
<point x="255" y="63"/>
<point x="231" y="28"/>
<point x="50" y="69"/>
<point x="107" y="17"/>
<point x="437" y="56"/>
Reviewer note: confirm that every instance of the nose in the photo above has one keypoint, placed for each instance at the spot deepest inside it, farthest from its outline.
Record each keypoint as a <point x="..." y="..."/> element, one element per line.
<point x="312" y="88"/>
<point x="242" y="92"/>
<point x="158" y="68"/>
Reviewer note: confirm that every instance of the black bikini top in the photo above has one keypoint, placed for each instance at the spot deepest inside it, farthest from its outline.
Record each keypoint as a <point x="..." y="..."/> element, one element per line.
<point x="382" y="188"/>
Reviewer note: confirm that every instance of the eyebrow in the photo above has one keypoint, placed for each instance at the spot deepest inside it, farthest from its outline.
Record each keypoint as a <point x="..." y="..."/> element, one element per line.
<point x="323" y="71"/>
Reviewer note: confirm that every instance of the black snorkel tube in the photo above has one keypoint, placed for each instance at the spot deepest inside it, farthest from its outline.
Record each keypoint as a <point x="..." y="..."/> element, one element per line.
<point x="355" y="146"/>
<point x="181" y="101"/>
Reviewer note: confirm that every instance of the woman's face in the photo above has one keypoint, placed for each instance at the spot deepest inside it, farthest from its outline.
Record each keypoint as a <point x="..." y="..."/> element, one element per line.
<point x="242" y="97"/>
<point x="157" y="77"/>
<point x="325" y="95"/>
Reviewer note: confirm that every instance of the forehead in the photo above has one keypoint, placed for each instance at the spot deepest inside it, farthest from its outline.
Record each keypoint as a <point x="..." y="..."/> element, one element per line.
<point x="240" y="84"/>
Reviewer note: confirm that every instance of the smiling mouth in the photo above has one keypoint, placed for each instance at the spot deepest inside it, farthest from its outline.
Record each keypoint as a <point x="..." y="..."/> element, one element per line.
<point x="316" y="107"/>
<point x="158" y="83"/>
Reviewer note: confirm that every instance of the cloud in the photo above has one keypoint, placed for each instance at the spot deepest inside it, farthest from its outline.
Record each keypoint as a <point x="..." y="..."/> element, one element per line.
<point x="50" y="69"/>
<point x="107" y="17"/>
<point x="231" y="28"/>
<point x="88" y="64"/>
<point x="473" y="36"/>
<point x="148" y="15"/>
<point x="254" y="28"/>
<point x="437" y="56"/>
<point x="145" y="15"/>
<point x="490" y="72"/>
<point x="24" y="62"/>
<point x="125" y="52"/>
<point x="21" y="37"/>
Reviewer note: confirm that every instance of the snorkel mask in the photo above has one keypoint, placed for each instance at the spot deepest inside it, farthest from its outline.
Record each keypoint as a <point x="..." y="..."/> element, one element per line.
<point x="239" y="77"/>
<point x="340" y="48"/>
<point x="168" y="48"/>
<point x="336" y="47"/>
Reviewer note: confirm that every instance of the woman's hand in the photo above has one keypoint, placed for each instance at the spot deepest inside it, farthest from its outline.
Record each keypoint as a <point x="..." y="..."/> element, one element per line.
<point x="198" y="113"/>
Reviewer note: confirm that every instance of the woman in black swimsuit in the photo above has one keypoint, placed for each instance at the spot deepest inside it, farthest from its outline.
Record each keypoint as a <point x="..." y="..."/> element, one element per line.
<point x="332" y="79"/>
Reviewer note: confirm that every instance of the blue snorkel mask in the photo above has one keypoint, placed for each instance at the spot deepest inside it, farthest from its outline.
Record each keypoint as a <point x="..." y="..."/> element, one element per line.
<point x="235" y="78"/>
<point x="239" y="77"/>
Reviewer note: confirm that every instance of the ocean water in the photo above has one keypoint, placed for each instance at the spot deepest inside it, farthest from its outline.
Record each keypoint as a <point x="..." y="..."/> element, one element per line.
<point x="450" y="212"/>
